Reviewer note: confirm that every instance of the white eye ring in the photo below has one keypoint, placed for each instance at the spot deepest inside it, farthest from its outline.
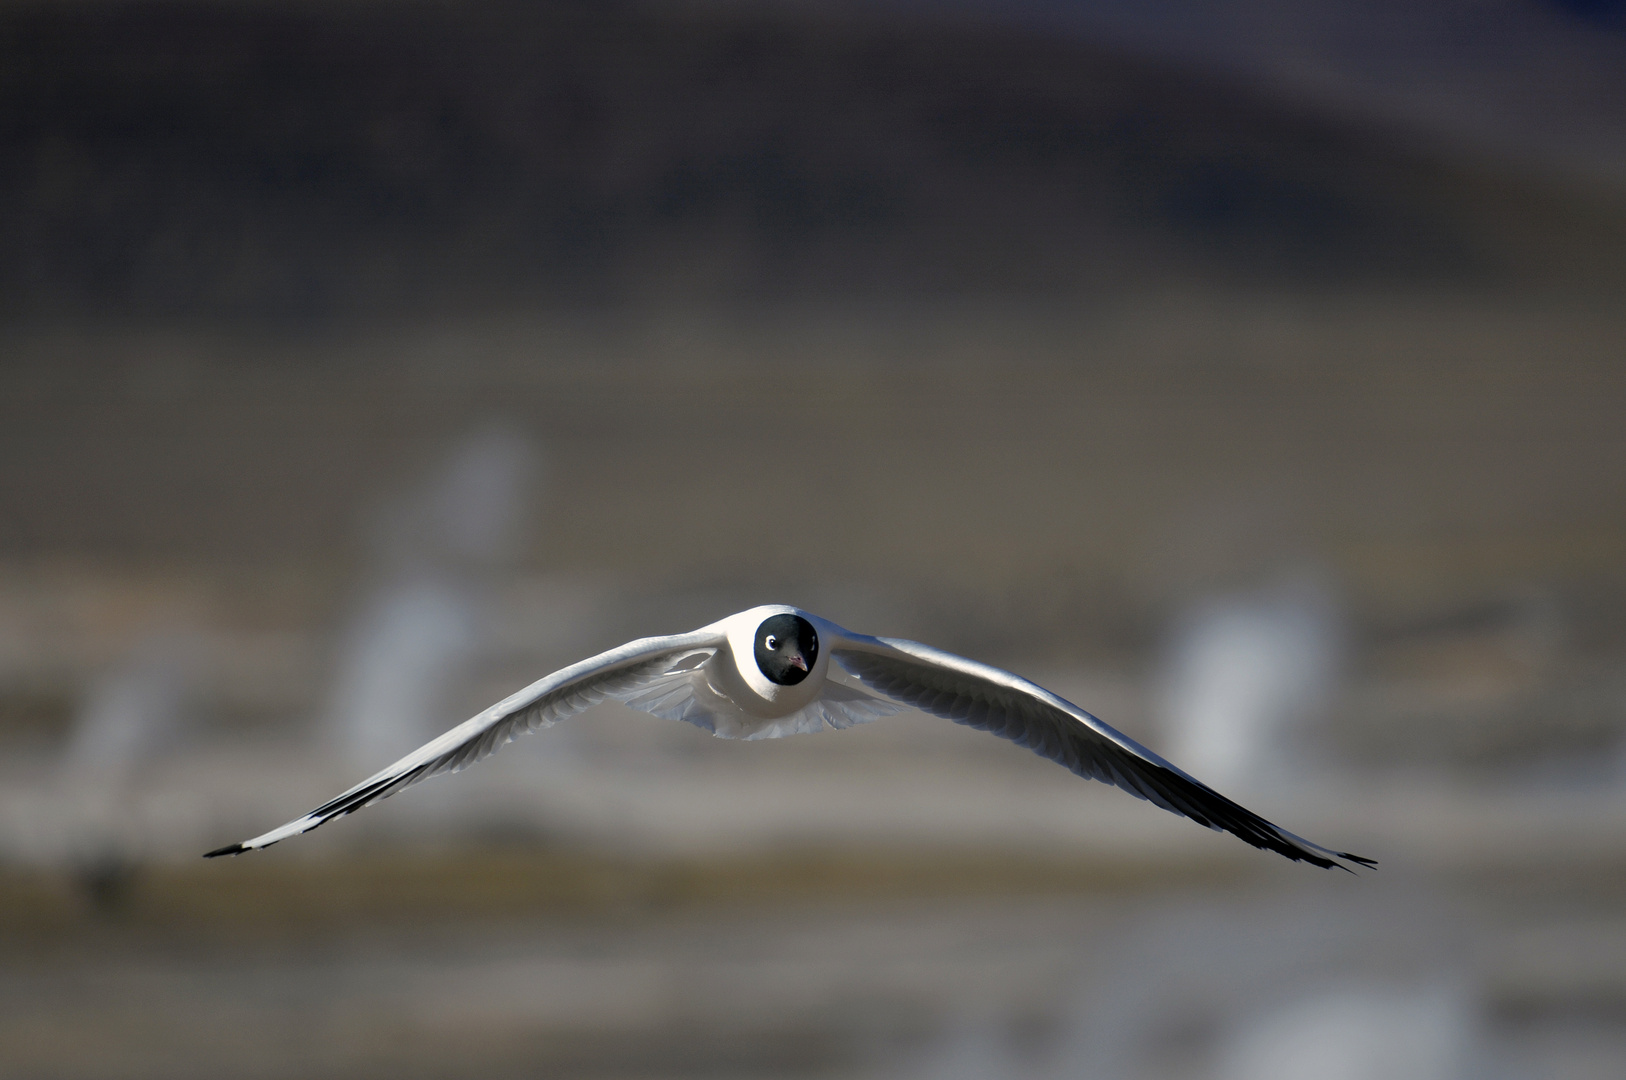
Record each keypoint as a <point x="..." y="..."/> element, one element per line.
<point x="771" y="642"/>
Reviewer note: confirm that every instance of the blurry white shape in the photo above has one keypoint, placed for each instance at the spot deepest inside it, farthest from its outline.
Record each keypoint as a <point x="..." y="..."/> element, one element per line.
<point x="132" y="709"/>
<point x="470" y="510"/>
<point x="1243" y="670"/>
<point x="409" y="645"/>
<point x="130" y="716"/>
<point x="1356" y="1034"/>
<point x="420" y="631"/>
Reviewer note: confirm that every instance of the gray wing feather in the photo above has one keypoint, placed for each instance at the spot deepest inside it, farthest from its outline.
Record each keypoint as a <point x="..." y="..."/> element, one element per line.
<point x="1003" y="704"/>
<point x="693" y="700"/>
<point x="660" y="664"/>
<point x="838" y="706"/>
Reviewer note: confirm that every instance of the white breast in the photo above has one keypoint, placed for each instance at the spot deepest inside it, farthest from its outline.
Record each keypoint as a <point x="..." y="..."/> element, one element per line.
<point x="738" y="677"/>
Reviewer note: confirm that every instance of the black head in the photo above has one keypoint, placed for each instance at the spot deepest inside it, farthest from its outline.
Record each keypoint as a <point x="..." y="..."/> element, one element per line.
<point x="787" y="648"/>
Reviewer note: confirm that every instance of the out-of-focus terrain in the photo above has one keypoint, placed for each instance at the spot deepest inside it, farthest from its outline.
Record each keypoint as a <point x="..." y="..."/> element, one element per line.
<point x="364" y="365"/>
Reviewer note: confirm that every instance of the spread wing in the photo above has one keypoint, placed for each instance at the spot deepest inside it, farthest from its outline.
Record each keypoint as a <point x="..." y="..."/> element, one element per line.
<point x="660" y="669"/>
<point x="993" y="700"/>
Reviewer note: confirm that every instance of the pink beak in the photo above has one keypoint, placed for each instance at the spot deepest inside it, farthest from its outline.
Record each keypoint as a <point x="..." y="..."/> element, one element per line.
<point x="797" y="660"/>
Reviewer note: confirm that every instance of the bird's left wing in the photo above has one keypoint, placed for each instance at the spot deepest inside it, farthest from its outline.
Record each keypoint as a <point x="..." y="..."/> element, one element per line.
<point x="663" y="666"/>
<point x="1003" y="704"/>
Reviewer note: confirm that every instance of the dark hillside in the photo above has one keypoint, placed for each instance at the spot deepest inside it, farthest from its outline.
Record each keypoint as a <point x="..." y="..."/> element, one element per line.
<point x="183" y="160"/>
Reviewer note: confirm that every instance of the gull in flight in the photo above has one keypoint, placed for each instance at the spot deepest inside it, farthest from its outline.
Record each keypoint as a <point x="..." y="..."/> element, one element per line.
<point x="779" y="670"/>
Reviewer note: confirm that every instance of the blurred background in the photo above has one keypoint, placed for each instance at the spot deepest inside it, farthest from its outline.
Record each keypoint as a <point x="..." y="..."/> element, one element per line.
<point x="1249" y="373"/>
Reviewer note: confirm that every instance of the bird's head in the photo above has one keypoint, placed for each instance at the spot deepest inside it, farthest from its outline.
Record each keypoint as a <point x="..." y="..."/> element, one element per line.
<point x="787" y="647"/>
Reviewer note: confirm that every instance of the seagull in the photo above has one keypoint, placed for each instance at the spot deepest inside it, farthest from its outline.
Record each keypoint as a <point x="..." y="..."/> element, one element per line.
<point x="778" y="670"/>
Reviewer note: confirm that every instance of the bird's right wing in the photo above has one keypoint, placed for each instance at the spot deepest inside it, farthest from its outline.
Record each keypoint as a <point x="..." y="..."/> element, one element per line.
<point x="1003" y="704"/>
<point x="660" y="667"/>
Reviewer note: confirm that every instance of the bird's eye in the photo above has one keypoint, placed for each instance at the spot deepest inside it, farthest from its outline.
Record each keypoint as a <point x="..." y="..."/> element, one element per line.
<point x="771" y="641"/>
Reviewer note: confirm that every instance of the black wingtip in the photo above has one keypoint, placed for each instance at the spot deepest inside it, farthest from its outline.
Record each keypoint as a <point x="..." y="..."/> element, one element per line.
<point x="1361" y="862"/>
<point x="229" y="849"/>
